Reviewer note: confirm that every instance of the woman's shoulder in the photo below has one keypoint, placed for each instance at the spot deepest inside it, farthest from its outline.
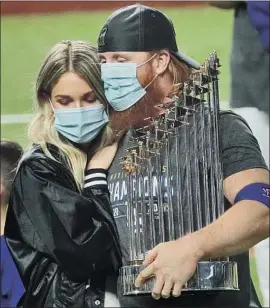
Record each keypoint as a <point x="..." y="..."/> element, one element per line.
<point x="46" y="163"/>
<point x="49" y="157"/>
<point x="34" y="152"/>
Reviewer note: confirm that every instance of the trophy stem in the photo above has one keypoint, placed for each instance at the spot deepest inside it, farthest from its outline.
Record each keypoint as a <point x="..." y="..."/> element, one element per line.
<point x="171" y="227"/>
<point x="153" y="238"/>
<point x="138" y="247"/>
<point x="161" y="231"/>
<point x="130" y="215"/>
<point x="179" y="190"/>
<point x="220" y="198"/>
<point x="205" y="166"/>
<point x="188" y="177"/>
<point x="143" y="213"/>
<point x="219" y="173"/>
<point x="196" y="142"/>
<point x="210" y="151"/>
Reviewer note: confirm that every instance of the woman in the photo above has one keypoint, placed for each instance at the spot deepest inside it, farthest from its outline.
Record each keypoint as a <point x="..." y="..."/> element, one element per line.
<point x="59" y="228"/>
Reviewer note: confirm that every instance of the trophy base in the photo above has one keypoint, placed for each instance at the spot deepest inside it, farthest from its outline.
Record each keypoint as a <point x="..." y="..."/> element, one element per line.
<point x="209" y="276"/>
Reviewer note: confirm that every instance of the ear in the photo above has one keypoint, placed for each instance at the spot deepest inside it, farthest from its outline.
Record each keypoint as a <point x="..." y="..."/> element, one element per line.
<point x="162" y="61"/>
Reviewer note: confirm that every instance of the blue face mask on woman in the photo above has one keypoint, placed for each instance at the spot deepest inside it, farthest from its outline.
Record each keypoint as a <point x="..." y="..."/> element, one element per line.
<point x="80" y="125"/>
<point x="121" y="85"/>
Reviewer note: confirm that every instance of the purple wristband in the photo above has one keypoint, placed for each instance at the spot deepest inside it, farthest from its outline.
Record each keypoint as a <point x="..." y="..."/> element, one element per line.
<point x="256" y="191"/>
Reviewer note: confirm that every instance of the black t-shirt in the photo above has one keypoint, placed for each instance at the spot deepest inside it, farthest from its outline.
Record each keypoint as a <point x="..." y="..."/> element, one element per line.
<point x="239" y="151"/>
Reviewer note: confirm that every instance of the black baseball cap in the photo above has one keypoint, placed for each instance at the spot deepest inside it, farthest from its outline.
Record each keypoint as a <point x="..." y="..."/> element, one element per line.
<point x="140" y="28"/>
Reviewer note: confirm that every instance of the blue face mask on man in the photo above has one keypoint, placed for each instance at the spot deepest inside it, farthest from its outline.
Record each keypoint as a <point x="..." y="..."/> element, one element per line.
<point x="121" y="85"/>
<point x="80" y="125"/>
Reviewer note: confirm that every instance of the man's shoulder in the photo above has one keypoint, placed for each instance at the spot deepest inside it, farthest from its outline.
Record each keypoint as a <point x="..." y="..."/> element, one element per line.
<point x="230" y="117"/>
<point x="239" y="148"/>
<point x="233" y="126"/>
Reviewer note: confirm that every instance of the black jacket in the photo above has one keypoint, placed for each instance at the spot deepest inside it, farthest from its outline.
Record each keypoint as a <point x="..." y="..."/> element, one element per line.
<point x="61" y="240"/>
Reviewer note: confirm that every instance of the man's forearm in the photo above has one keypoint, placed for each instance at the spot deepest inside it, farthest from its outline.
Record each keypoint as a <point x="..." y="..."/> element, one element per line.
<point x="238" y="229"/>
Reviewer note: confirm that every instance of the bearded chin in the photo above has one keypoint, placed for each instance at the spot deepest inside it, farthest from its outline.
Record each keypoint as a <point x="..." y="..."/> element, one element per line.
<point x="136" y="116"/>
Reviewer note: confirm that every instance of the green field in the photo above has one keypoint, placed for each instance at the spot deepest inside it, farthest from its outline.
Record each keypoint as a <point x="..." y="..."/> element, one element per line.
<point x="26" y="39"/>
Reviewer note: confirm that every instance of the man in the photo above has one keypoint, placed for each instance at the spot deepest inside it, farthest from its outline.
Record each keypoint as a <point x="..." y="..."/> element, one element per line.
<point x="142" y="68"/>
<point x="250" y="91"/>
<point x="12" y="288"/>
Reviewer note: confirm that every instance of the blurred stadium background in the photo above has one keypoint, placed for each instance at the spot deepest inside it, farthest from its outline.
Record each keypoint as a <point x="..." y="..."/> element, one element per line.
<point x="29" y="29"/>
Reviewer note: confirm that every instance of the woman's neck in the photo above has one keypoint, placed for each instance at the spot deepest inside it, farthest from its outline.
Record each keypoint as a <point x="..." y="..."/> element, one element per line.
<point x="3" y="218"/>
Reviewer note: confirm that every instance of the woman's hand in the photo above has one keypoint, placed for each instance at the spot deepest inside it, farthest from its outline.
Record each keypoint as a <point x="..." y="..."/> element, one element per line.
<point x="103" y="158"/>
<point x="172" y="264"/>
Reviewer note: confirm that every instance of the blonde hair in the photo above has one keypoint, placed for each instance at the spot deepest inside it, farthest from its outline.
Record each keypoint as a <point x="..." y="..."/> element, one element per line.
<point x="82" y="59"/>
<point x="180" y="72"/>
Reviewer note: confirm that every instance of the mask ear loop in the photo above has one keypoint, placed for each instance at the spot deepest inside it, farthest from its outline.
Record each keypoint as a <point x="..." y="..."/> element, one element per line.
<point x="149" y="84"/>
<point x="147" y="60"/>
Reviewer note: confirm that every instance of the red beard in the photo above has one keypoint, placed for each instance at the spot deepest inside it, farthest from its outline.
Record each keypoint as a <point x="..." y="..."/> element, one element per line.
<point x="136" y="116"/>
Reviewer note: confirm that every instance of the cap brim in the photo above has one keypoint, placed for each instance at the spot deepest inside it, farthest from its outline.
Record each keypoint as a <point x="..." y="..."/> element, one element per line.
<point x="187" y="60"/>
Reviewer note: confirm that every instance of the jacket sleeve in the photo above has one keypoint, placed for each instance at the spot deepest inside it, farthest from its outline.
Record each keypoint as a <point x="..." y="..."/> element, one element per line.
<point x="96" y="184"/>
<point x="72" y="227"/>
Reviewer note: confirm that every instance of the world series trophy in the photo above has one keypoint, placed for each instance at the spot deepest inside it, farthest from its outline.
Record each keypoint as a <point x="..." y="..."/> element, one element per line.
<point x="174" y="181"/>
